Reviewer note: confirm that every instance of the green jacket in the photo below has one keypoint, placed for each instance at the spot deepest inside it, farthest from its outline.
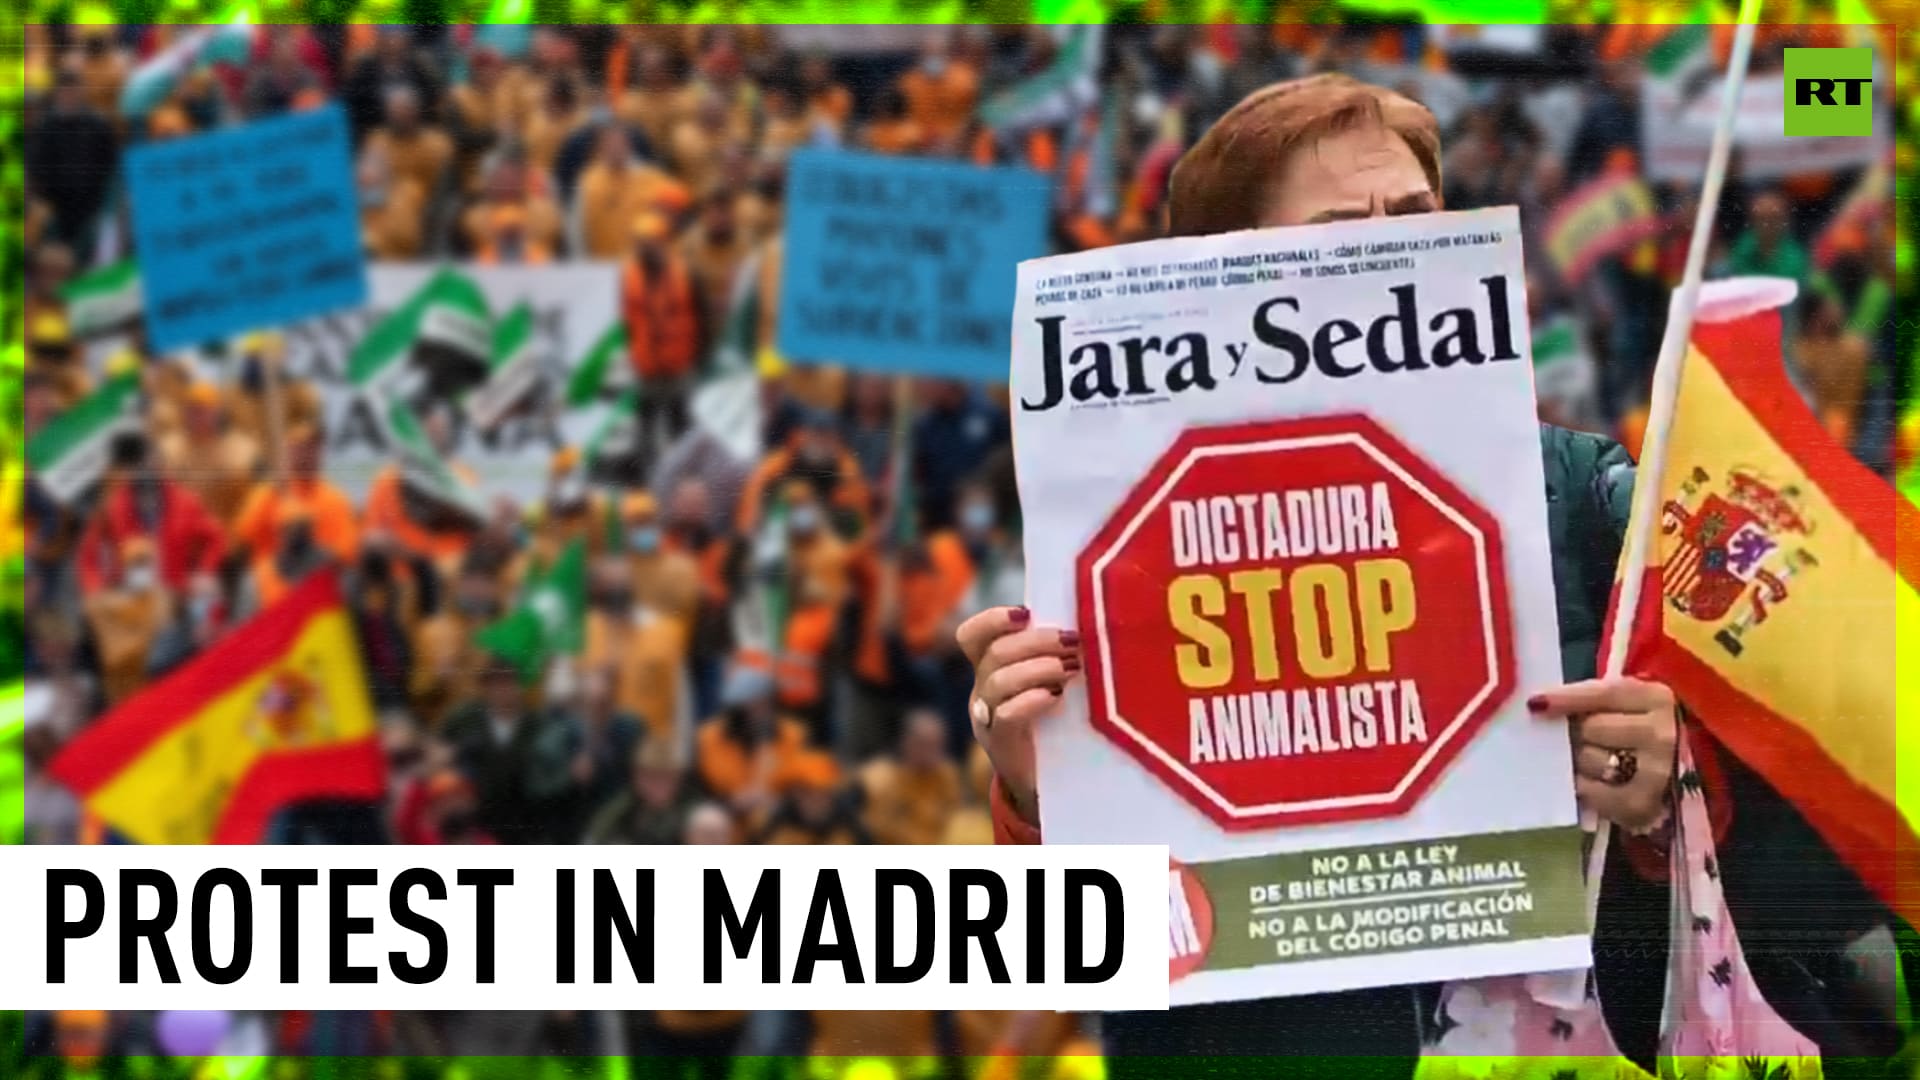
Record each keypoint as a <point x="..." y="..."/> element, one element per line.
<point x="1589" y="497"/>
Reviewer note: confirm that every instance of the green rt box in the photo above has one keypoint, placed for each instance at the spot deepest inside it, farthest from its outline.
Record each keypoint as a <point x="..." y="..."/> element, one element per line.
<point x="1829" y="91"/>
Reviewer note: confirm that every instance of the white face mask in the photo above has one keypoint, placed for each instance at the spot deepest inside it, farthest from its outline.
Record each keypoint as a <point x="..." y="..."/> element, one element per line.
<point x="804" y="520"/>
<point x="140" y="577"/>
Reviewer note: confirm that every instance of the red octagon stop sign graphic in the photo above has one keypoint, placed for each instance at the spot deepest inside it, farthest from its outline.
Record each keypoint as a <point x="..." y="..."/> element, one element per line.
<point x="1295" y="622"/>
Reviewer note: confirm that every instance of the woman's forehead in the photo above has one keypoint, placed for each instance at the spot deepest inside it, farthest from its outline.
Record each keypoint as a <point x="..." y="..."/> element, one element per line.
<point x="1361" y="170"/>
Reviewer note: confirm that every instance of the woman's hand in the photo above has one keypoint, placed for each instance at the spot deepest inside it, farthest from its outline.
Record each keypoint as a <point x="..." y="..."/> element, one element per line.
<point x="1624" y="737"/>
<point x="1020" y="672"/>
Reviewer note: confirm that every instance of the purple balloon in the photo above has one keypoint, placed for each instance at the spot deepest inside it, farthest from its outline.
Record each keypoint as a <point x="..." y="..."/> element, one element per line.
<point x="192" y="1032"/>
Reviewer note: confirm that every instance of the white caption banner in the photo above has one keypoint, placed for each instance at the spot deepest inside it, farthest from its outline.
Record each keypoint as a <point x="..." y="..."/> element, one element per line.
<point x="1071" y="928"/>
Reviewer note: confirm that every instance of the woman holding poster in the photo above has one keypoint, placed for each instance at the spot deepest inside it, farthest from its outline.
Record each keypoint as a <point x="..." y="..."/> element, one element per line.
<point x="1328" y="149"/>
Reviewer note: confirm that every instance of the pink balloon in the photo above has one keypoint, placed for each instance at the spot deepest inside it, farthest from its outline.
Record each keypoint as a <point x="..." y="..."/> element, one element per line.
<point x="192" y="1032"/>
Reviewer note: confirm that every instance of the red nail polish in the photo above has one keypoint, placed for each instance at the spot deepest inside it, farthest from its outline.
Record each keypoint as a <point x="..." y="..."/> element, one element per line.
<point x="1058" y="690"/>
<point x="1019" y="616"/>
<point x="1537" y="703"/>
<point x="1071" y="663"/>
<point x="1070" y="639"/>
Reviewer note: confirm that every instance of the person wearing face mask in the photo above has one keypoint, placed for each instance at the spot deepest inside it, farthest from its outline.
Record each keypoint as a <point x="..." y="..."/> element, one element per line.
<point x="665" y="578"/>
<point x="1000" y="569"/>
<point x="137" y="502"/>
<point x="956" y="433"/>
<point x="127" y="620"/>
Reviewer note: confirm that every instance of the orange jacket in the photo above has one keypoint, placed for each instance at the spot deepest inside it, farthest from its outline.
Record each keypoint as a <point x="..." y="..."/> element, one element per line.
<point x="850" y="492"/>
<point x="662" y="317"/>
<point x="387" y="512"/>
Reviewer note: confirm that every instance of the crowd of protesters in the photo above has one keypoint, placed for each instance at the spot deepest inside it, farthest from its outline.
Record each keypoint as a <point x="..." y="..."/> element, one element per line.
<point x="663" y="148"/>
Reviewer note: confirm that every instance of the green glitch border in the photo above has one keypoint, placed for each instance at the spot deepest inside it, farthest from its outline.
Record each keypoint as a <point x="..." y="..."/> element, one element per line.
<point x="1902" y="15"/>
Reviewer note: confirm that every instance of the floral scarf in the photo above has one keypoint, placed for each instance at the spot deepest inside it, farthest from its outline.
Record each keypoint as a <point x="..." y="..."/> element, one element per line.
<point x="1717" y="1025"/>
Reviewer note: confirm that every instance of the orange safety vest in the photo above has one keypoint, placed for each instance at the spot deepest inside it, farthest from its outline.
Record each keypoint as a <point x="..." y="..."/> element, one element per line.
<point x="662" y="332"/>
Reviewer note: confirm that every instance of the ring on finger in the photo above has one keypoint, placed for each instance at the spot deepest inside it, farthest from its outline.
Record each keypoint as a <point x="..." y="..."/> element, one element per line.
<point x="1622" y="767"/>
<point x="983" y="713"/>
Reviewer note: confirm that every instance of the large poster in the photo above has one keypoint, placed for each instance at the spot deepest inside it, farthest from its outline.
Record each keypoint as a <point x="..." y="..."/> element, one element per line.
<point x="548" y="319"/>
<point x="1287" y="484"/>
<point x="905" y="265"/>
<point x="246" y="227"/>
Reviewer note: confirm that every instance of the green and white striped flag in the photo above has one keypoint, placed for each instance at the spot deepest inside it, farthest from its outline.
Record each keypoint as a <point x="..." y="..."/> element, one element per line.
<point x="104" y="301"/>
<point x="735" y="347"/>
<point x="726" y="403"/>
<point x="1563" y="371"/>
<point x="151" y="82"/>
<point x="1052" y="96"/>
<point x="612" y="455"/>
<point x="514" y="370"/>
<point x="448" y="317"/>
<point x="69" y="454"/>
<point x="426" y="477"/>
<point x="602" y="371"/>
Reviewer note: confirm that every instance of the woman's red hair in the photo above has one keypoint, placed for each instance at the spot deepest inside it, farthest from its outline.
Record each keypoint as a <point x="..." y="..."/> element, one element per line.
<point x="1222" y="183"/>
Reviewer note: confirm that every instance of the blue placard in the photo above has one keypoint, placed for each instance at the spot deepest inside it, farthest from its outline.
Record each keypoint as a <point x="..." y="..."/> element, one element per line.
<point x="906" y="265"/>
<point x="246" y="228"/>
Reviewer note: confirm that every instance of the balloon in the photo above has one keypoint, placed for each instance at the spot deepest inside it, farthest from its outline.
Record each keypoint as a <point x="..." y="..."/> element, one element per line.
<point x="192" y="1032"/>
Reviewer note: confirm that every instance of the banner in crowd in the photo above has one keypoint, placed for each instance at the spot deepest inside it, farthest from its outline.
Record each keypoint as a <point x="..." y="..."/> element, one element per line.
<point x="69" y="454"/>
<point x="103" y="301"/>
<point x="1057" y="93"/>
<point x="905" y="265"/>
<point x="1602" y="218"/>
<point x="427" y="333"/>
<point x="1680" y="104"/>
<point x="1779" y="590"/>
<point x="1309" y="596"/>
<point x="274" y="713"/>
<point x="1566" y="381"/>
<point x="246" y="227"/>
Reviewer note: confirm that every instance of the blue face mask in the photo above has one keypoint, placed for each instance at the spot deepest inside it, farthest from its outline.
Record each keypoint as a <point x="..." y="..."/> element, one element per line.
<point x="976" y="518"/>
<point x="645" y="539"/>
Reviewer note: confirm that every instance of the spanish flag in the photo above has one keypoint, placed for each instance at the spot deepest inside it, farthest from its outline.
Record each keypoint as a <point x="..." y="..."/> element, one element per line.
<point x="275" y="713"/>
<point x="1776" y="596"/>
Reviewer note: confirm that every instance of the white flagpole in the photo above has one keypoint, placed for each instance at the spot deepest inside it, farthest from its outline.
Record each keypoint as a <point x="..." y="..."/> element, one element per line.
<point x="1653" y="448"/>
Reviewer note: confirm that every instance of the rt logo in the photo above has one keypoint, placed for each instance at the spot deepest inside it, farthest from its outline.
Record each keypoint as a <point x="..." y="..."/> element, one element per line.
<point x="1829" y="91"/>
